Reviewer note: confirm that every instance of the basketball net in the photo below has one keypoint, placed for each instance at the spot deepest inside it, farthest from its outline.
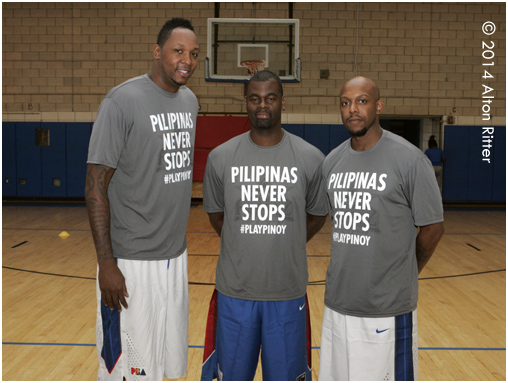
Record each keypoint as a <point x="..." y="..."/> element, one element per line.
<point x="253" y="66"/>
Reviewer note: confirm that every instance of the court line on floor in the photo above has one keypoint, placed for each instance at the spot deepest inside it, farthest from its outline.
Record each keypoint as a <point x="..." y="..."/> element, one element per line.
<point x="43" y="273"/>
<point x="310" y="283"/>
<point x="199" y="347"/>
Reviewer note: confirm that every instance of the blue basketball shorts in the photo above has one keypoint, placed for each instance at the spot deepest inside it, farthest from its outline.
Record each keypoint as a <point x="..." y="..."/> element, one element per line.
<point x="238" y="330"/>
<point x="355" y="348"/>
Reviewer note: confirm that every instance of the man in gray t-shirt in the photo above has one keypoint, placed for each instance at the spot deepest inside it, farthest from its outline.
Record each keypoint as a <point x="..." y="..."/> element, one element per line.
<point x="138" y="191"/>
<point x="380" y="189"/>
<point x="264" y="196"/>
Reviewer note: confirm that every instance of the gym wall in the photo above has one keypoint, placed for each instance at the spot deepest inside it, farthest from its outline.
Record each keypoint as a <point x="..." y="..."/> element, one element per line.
<point x="60" y="59"/>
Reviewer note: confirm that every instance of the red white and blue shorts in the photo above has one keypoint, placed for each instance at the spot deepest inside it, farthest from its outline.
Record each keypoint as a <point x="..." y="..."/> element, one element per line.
<point x="238" y="330"/>
<point x="149" y="340"/>
<point x="355" y="348"/>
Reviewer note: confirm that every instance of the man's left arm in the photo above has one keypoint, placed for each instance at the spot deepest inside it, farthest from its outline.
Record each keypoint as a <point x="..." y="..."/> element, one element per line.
<point x="426" y="242"/>
<point x="314" y="224"/>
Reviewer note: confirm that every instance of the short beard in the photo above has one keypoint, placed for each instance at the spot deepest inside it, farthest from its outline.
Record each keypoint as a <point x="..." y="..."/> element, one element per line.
<point x="359" y="133"/>
<point x="264" y="124"/>
<point x="261" y="124"/>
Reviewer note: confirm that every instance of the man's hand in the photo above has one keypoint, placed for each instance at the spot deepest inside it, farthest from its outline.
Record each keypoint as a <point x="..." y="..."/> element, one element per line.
<point x="112" y="285"/>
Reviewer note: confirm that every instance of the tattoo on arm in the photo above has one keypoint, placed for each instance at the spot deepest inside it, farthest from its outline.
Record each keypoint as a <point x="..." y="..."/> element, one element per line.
<point x="97" y="203"/>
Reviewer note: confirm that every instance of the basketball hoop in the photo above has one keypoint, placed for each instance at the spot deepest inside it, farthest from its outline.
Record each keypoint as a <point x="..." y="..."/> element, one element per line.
<point x="253" y="66"/>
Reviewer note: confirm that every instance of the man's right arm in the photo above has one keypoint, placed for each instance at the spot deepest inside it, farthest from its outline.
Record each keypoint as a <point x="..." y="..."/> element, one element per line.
<point x="111" y="279"/>
<point x="217" y="221"/>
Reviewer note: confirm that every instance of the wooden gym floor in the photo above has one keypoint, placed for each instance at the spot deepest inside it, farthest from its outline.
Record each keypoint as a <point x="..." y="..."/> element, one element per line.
<point x="49" y="294"/>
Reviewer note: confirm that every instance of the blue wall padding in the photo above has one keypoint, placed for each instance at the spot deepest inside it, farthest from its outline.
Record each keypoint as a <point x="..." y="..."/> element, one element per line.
<point x="9" y="159"/>
<point x="499" y="187"/>
<point x="28" y="160"/>
<point x="78" y="136"/>
<point x="296" y="129"/>
<point x="54" y="161"/>
<point x="319" y="136"/>
<point x="455" y="179"/>
<point x="466" y="176"/>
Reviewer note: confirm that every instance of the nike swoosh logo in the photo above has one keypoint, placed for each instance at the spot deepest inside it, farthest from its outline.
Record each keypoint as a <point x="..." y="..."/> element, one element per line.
<point x="301" y="307"/>
<point x="379" y="332"/>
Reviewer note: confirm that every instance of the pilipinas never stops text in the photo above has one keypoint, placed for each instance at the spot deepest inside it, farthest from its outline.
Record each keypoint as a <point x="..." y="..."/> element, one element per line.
<point x="177" y="143"/>
<point x="351" y="199"/>
<point x="263" y="191"/>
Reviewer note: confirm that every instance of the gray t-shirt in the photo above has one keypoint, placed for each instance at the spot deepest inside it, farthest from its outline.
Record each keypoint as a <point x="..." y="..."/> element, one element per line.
<point x="265" y="194"/>
<point x="147" y="135"/>
<point x="377" y="198"/>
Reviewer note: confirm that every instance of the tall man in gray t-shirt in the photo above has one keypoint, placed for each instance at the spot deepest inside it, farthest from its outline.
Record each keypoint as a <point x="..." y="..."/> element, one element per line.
<point x="138" y="192"/>
<point x="264" y="195"/>
<point x="380" y="190"/>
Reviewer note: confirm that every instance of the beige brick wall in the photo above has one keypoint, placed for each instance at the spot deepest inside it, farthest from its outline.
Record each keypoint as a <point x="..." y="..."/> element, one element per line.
<point x="60" y="59"/>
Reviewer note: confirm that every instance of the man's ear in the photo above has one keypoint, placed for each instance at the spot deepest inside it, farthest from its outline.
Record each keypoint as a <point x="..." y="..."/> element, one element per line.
<point x="156" y="52"/>
<point x="379" y="106"/>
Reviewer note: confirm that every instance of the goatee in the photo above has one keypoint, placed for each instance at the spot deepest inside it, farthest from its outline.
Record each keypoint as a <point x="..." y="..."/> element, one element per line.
<point x="263" y="124"/>
<point x="359" y="133"/>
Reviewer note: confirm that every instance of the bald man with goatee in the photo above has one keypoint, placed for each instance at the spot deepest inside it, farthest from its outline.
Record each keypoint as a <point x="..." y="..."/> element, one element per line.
<point x="387" y="219"/>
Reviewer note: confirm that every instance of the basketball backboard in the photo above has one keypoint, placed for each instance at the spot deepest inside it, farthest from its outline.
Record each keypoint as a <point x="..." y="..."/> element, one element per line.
<point x="235" y="46"/>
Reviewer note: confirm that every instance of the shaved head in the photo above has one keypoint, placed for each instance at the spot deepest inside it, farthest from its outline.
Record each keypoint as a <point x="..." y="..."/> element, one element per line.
<point x="365" y="83"/>
<point x="360" y="107"/>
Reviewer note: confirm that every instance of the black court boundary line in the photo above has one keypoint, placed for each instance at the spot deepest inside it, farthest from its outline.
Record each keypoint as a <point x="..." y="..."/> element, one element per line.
<point x="474" y="247"/>
<point x="19" y="244"/>
<point x="77" y="277"/>
<point x="43" y="273"/>
<point x="463" y="275"/>
<point x="311" y="283"/>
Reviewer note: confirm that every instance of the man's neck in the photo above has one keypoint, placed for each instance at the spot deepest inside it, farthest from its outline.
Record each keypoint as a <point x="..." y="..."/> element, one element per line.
<point x="368" y="140"/>
<point x="157" y="79"/>
<point x="267" y="137"/>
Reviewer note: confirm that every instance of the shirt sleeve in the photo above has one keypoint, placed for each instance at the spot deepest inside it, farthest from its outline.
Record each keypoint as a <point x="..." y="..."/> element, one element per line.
<point x="316" y="194"/>
<point x="213" y="188"/>
<point x="109" y="134"/>
<point x="423" y="193"/>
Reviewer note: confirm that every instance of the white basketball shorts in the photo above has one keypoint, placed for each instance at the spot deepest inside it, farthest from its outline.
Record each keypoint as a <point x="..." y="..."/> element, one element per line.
<point x="149" y="340"/>
<point x="354" y="348"/>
